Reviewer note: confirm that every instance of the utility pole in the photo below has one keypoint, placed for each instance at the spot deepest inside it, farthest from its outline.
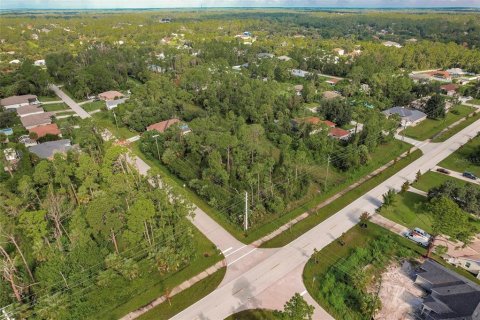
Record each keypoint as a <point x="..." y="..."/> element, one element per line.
<point x="156" y="143"/>
<point x="115" y="116"/>
<point x="328" y="166"/>
<point x="246" y="210"/>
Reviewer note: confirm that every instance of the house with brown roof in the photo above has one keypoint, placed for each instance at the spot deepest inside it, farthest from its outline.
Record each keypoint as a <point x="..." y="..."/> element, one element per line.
<point x="339" y="133"/>
<point x="329" y="95"/>
<point x="110" y="95"/>
<point x="440" y="75"/>
<point x="43" y="130"/>
<point x="333" y="132"/>
<point x="29" y="110"/>
<point x="15" y="102"/>
<point x="162" y="126"/>
<point x="36" y="120"/>
<point x="332" y="81"/>
<point x="450" y="89"/>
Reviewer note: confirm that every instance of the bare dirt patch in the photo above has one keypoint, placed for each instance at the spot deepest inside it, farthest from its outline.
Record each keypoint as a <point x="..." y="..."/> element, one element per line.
<point x="399" y="295"/>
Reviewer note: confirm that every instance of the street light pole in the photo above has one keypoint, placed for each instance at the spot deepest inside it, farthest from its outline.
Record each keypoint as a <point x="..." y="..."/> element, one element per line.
<point x="246" y="210"/>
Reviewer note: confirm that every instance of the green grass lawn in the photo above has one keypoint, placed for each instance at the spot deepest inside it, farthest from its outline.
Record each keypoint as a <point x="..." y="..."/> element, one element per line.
<point x="356" y="237"/>
<point x="185" y="298"/>
<point x="48" y="98"/>
<point x="55" y="107"/>
<point x="407" y="210"/>
<point x="434" y="179"/>
<point x="257" y="314"/>
<point x="430" y="127"/>
<point x="153" y="285"/>
<point x="458" y="161"/>
<point x="452" y="131"/>
<point x="105" y="120"/>
<point x="327" y="211"/>
<point x="89" y="107"/>
<point x="474" y="101"/>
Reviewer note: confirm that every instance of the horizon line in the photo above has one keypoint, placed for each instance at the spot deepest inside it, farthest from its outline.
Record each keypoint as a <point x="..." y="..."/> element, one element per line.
<point x="248" y="7"/>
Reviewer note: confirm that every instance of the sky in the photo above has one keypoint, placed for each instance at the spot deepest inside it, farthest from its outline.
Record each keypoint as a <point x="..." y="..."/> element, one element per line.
<point x="97" y="4"/>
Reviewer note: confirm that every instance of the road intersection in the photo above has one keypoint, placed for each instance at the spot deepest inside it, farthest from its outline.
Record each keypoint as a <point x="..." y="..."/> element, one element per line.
<point x="267" y="278"/>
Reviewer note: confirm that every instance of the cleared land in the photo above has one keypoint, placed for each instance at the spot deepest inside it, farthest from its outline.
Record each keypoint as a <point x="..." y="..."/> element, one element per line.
<point x="408" y="210"/>
<point x="334" y="255"/>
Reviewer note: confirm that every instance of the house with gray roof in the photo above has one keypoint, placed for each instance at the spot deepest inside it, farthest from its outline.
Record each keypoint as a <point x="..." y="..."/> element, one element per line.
<point x="409" y="117"/>
<point x="450" y="296"/>
<point x="15" y="102"/>
<point x="299" y="73"/>
<point x="112" y="104"/>
<point x="48" y="149"/>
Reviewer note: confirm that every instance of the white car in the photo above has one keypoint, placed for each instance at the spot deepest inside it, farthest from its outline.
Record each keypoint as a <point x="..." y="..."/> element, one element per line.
<point x="419" y="236"/>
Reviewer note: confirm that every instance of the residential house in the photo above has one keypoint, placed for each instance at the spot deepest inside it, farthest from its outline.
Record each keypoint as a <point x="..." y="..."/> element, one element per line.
<point x="48" y="149"/>
<point x="461" y="255"/>
<point x="43" y="130"/>
<point x="27" y="141"/>
<point x="440" y="75"/>
<point x="339" y="51"/>
<point x="36" y="120"/>
<point x="39" y="63"/>
<point x="392" y="44"/>
<point x="318" y="125"/>
<point x="339" y="133"/>
<point x="298" y="89"/>
<point x="110" y="95"/>
<point x="450" y="296"/>
<point x="329" y="95"/>
<point x="12" y="157"/>
<point x="449" y="89"/>
<point x="299" y="73"/>
<point x="263" y="55"/>
<point x="11" y="154"/>
<point x="332" y="81"/>
<point x="284" y="58"/>
<point x="162" y="126"/>
<point x="112" y="104"/>
<point x="457" y="72"/>
<point x="14" y="102"/>
<point x="29" y="110"/>
<point x="409" y="117"/>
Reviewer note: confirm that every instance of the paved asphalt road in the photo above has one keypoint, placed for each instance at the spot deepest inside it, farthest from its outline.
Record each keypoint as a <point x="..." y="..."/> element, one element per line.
<point x="69" y="101"/>
<point x="269" y="281"/>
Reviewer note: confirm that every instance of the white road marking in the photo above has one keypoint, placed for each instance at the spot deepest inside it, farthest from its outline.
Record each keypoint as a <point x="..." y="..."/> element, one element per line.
<point x="303" y="293"/>
<point x="226" y="250"/>
<point x="235" y="251"/>
<point x="246" y="254"/>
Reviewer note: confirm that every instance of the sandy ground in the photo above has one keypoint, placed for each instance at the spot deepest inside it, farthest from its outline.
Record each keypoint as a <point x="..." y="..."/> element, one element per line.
<point x="398" y="293"/>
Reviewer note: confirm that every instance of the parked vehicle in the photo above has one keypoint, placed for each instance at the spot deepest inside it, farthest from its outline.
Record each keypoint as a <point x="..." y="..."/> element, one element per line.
<point x="445" y="171"/>
<point x="469" y="175"/>
<point x="419" y="236"/>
